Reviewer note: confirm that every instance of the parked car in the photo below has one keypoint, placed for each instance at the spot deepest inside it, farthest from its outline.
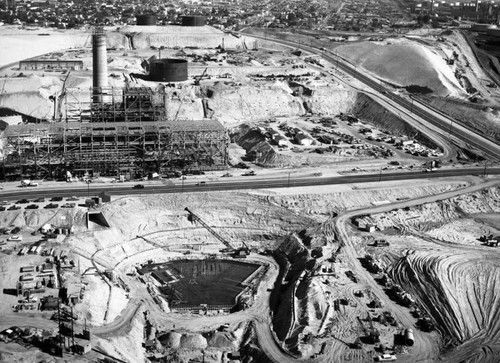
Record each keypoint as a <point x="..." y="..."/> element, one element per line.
<point x="15" y="238"/>
<point x="4" y="202"/>
<point x="39" y="200"/>
<point x="2" y="209"/>
<point x="72" y="199"/>
<point x="201" y="183"/>
<point x="56" y="199"/>
<point x="15" y="230"/>
<point x="32" y="206"/>
<point x="68" y="205"/>
<point x="22" y="201"/>
<point x="51" y="205"/>
<point x="138" y="186"/>
<point x="227" y="175"/>
<point x="14" y="207"/>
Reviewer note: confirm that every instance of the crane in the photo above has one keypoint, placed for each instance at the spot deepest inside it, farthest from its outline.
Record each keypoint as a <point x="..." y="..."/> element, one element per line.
<point x="240" y="252"/>
<point x="197" y="79"/>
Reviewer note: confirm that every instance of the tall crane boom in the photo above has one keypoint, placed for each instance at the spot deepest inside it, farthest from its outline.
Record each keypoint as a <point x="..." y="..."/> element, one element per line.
<point x="195" y="218"/>
<point x="210" y="229"/>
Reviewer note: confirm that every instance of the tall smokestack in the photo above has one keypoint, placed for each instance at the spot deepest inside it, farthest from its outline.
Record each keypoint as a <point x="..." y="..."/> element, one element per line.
<point x="99" y="64"/>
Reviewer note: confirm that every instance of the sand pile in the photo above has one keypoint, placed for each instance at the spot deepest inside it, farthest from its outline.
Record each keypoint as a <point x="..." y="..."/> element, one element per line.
<point x="222" y="340"/>
<point x="193" y="341"/>
<point x="404" y="64"/>
<point x="170" y="340"/>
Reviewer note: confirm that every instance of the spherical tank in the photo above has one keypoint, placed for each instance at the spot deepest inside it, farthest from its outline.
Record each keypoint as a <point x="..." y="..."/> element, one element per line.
<point x="193" y="20"/>
<point x="168" y="70"/>
<point x="146" y="19"/>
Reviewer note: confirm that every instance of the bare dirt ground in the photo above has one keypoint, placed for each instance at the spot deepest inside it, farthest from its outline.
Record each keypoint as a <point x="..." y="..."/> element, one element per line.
<point x="263" y="220"/>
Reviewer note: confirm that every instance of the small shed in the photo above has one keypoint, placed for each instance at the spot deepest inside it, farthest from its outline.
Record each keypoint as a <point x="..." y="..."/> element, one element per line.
<point x="281" y="140"/>
<point x="370" y="228"/>
<point x="82" y="346"/>
<point x="303" y="139"/>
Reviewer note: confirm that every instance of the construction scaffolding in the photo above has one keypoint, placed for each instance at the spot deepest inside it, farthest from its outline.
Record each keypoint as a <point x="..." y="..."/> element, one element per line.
<point x="112" y="149"/>
<point x="126" y="133"/>
<point x="134" y="104"/>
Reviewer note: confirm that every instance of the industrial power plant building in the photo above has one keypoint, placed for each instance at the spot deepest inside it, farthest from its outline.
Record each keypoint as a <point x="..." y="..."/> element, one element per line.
<point x="118" y="132"/>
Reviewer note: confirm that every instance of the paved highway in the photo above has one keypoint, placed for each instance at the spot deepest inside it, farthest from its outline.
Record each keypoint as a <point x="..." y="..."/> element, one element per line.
<point x="253" y="182"/>
<point x="433" y="116"/>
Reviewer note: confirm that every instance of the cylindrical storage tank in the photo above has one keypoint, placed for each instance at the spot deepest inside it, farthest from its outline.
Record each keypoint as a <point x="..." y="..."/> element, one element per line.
<point x="193" y="20"/>
<point x="99" y="64"/>
<point x="409" y="337"/>
<point x="146" y="19"/>
<point x="168" y="70"/>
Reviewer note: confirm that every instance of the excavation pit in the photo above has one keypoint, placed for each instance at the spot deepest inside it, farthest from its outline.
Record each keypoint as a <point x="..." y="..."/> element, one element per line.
<point x="211" y="283"/>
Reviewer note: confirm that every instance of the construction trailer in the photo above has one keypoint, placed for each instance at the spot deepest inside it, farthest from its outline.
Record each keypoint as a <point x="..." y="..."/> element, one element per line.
<point x="132" y="137"/>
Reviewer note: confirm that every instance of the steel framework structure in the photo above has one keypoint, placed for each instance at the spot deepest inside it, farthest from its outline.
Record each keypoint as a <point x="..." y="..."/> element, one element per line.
<point x="126" y="133"/>
<point x="112" y="149"/>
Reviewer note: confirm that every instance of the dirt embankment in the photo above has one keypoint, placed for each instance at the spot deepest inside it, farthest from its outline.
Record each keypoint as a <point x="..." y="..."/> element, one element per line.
<point x="479" y="117"/>
<point x="367" y="109"/>
<point x="297" y="301"/>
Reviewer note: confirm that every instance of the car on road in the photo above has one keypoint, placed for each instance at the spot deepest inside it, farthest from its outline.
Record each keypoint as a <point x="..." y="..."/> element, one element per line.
<point x="39" y="200"/>
<point x="15" y="238"/>
<point x="56" y="199"/>
<point x="227" y="175"/>
<point x="200" y="184"/>
<point x="138" y="186"/>
<point x="23" y="201"/>
<point x="249" y="173"/>
<point x="51" y="205"/>
<point x="32" y="206"/>
<point x="385" y="358"/>
<point x="14" y="207"/>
